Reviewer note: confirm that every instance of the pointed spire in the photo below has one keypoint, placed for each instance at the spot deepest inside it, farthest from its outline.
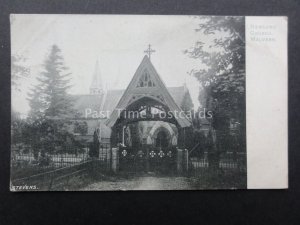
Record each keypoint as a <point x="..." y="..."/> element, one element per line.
<point x="96" y="85"/>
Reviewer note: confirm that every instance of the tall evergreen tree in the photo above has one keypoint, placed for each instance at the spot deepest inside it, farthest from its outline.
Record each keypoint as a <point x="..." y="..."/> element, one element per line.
<point x="49" y="98"/>
<point x="51" y="105"/>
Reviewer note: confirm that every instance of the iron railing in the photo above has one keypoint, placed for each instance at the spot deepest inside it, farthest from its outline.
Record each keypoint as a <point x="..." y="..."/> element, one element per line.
<point x="48" y="171"/>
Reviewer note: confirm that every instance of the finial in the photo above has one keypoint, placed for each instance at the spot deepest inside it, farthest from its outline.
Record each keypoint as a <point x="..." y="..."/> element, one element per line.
<point x="149" y="51"/>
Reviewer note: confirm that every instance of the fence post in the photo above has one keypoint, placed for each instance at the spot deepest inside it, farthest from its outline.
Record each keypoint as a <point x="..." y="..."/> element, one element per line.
<point x="186" y="160"/>
<point x="179" y="160"/>
<point x="108" y="158"/>
<point x="115" y="159"/>
<point x="147" y="160"/>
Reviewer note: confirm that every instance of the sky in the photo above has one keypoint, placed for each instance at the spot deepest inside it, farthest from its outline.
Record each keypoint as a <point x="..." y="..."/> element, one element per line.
<point x="117" y="42"/>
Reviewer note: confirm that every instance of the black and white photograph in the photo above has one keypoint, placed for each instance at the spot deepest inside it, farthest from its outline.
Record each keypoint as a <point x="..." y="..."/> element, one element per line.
<point x="127" y="102"/>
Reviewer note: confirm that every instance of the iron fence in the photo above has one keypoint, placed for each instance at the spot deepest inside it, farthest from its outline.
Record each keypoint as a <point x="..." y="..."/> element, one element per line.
<point x="226" y="162"/>
<point x="50" y="170"/>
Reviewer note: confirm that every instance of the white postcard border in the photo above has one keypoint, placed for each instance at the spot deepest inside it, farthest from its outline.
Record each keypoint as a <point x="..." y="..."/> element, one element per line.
<point x="266" y="102"/>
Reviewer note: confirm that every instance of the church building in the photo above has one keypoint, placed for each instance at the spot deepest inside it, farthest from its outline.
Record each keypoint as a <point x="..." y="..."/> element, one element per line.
<point x="145" y="113"/>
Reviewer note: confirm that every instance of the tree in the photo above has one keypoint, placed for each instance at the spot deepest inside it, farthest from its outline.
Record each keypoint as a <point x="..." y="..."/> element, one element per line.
<point x="50" y="105"/>
<point x="81" y="127"/>
<point x="94" y="146"/>
<point x="222" y="72"/>
<point x="18" y="70"/>
<point x="17" y="125"/>
<point x="49" y="97"/>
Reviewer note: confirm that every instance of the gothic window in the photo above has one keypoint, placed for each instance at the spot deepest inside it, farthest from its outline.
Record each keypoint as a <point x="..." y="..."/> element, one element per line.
<point x="162" y="139"/>
<point x="145" y="80"/>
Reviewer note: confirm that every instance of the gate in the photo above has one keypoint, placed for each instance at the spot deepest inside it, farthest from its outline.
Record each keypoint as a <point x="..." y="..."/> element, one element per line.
<point x="147" y="159"/>
<point x="105" y="156"/>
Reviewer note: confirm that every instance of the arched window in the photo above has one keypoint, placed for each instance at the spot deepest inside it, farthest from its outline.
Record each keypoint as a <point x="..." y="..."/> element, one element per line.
<point x="145" y="80"/>
<point x="162" y="140"/>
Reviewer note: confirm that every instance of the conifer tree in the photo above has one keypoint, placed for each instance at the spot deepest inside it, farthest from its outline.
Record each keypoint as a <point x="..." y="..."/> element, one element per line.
<point x="51" y="105"/>
<point x="49" y="98"/>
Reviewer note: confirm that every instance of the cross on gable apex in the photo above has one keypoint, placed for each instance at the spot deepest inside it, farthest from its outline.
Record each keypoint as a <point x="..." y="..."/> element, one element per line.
<point x="149" y="51"/>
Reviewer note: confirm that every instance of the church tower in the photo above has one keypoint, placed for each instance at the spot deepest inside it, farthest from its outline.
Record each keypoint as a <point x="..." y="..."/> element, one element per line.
<point x="96" y="87"/>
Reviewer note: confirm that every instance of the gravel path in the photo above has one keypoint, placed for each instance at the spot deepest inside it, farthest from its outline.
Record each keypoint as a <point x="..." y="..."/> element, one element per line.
<point x="143" y="183"/>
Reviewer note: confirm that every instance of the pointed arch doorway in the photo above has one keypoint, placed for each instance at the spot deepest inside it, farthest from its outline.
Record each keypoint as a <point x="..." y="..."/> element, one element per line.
<point x="162" y="139"/>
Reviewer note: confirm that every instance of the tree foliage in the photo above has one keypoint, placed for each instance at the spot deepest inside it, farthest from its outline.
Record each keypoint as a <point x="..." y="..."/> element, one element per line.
<point x="18" y="70"/>
<point x="50" y="104"/>
<point x="94" y="146"/>
<point x="50" y="96"/>
<point x="221" y="71"/>
<point x="81" y="127"/>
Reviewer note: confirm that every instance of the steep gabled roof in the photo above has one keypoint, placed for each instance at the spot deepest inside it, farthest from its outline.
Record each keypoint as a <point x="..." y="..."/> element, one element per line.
<point x="177" y="94"/>
<point x="110" y="100"/>
<point x="156" y="89"/>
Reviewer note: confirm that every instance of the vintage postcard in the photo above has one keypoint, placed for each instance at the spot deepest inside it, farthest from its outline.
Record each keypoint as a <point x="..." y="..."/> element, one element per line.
<point x="140" y="102"/>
